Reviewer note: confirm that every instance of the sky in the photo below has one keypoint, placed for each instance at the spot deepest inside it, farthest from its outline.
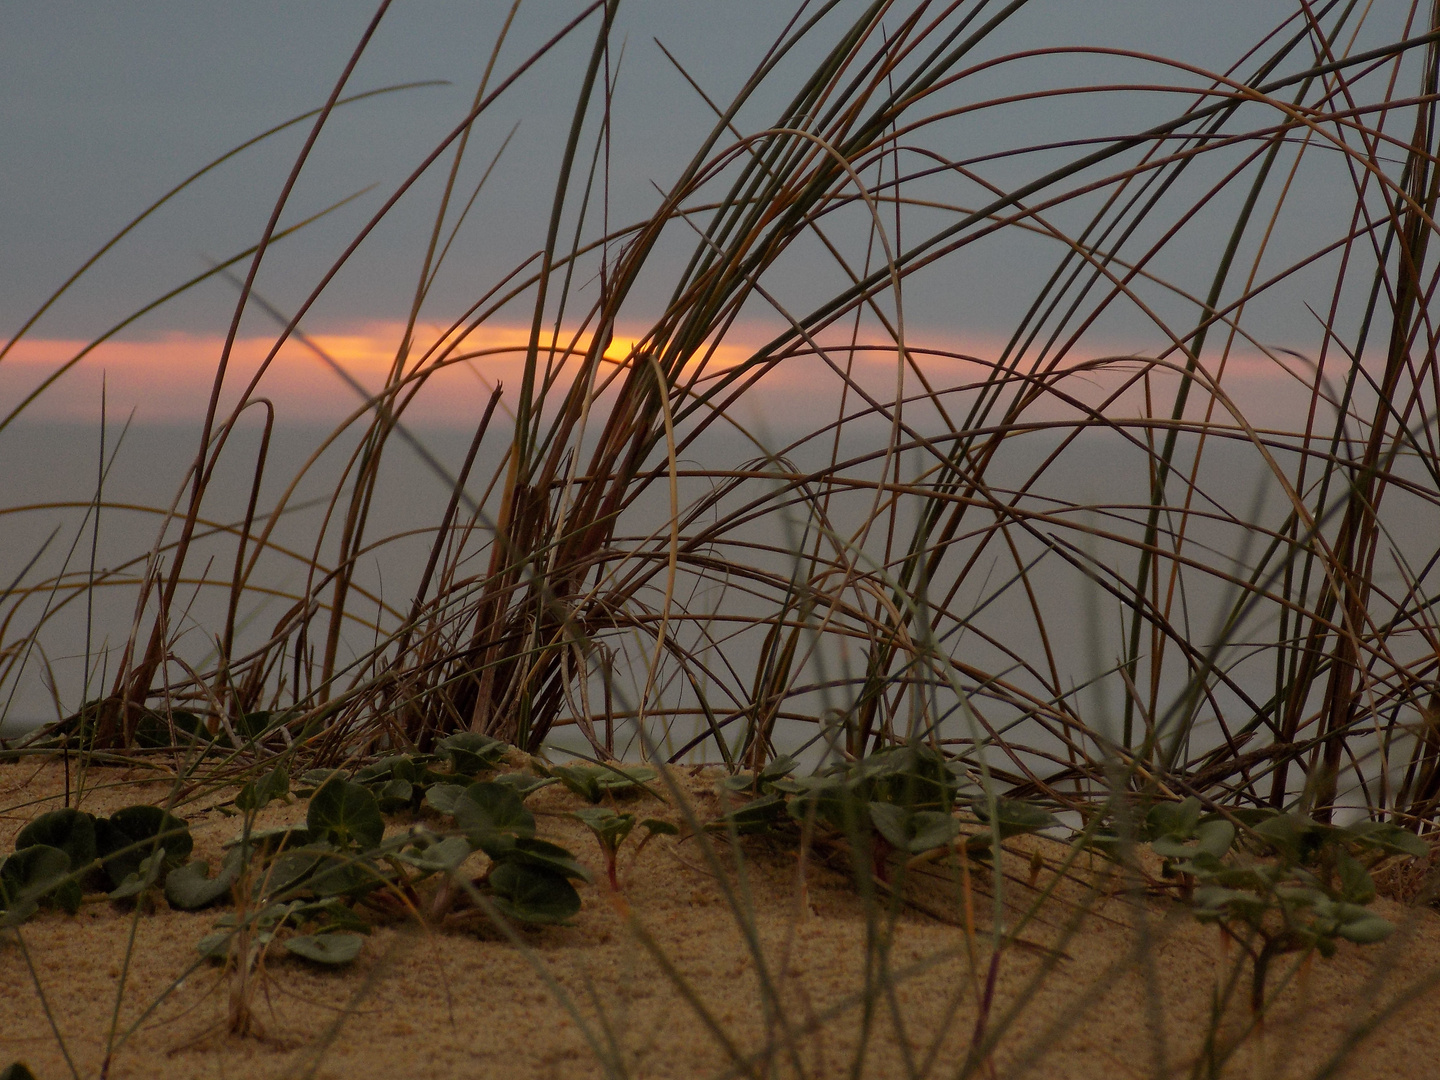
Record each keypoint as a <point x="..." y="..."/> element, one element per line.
<point x="104" y="107"/>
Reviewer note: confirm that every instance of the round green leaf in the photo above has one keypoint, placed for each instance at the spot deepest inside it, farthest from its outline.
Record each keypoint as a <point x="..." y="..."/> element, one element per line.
<point x="338" y="948"/>
<point x="389" y="769"/>
<point x="524" y="784"/>
<point x="580" y="779"/>
<point x="150" y="872"/>
<point x="890" y="822"/>
<point x="127" y="837"/>
<point x="469" y="752"/>
<point x="931" y="829"/>
<point x="258" y="794"/>
<point x="72" y="831"/>
<point x="396" y="794"/>
<point x="287" y="871"/>
<point x="441" y="797"/>
<point x="545" y="856"/>
<point x="342" y="875"/>
<point x="35" y="873"/>
<point x="486" y="810"/>
<point x="530" y="894"/>
<point x="346" y="814"/>
<point x="190" y="887"/>
<point x="215" y="946"/>
<point x="313" y="779"/>
<point x="441" y="856"/>
<point x="1175" y="819"/>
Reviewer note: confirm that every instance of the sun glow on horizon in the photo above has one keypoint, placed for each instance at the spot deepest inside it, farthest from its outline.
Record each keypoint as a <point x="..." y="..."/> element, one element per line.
<point x="327" y="377"/>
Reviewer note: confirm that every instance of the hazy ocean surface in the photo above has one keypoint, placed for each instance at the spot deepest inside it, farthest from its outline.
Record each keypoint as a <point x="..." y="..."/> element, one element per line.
<point x="52" y="470"/>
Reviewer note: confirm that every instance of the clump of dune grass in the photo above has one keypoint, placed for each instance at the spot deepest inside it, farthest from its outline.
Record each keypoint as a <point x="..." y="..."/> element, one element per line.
<point x="907" y="572"/>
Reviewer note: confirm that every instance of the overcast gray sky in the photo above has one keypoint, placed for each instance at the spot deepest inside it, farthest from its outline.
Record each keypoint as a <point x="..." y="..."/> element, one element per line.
<point x="103" y="106"/>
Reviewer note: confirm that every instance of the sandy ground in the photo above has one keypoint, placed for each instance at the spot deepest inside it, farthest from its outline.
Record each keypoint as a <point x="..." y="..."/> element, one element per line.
<point x="1112" y="987"/>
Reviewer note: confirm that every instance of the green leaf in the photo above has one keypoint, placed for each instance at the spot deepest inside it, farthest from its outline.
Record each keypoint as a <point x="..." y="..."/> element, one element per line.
<point x="1366" y="931"/>
<point x="338" y="874"/>
<point x="524" y="784"/>
<point x="190" y="887"/>
<point x="150" y="872"/>
<point x="486" y="810"/>
<point x="757" y="815"/>
<point x="258" y="794"/>
<point x="656" y="827"/>
<point x="593" y="781"/>
<point x="333" y="913"/>
<point x="543" y="855"/>
<point x="782" y="766"/>
<point x="287" y="871"/>
<point x="609" y="828"/>
<point x="533" y="895"/>
<point x="346" y="814"/>
<point x="442" y="797"/>
<point x="35" y="873"/>
<point x="1214" y="837"/>
<point x="216" y="944"/>
<point x="395" y="767"/>
<point x="930" y="829"/>
<point x="313" y="779"/>
<point x="581" y="780"/>
<point x="1389" y="837"/>
<point x="72" y="831"/>
<point x="1012" y="817"/>
<point x="439" y="856"/>
<point x="154" y="731"/>
<point x="889" y="821"/>
<point x="396" y="794"/>
<point x="337" y="948"/>
<point x="127" y="837"/>
<point x="252" y="725"/>
<point x="1356" y="884"/>
<point x="469" y="752"/>
<point x="272" y="840"/>
<point x="1173" y="819"/>
<point x="1295" y="837"/>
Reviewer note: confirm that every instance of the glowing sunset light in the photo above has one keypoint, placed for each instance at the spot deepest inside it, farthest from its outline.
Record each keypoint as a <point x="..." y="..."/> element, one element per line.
<point x="168" y="379"/>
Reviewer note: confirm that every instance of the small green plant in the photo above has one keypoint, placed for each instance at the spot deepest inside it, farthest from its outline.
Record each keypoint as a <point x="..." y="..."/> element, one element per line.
<point x="594" y="782"/>
<point x="611" y="829"/>
<point x="900" y="799"/>
<point x="307" y="887"/>
<point x="1308" y="891"/>
<point x="64" y="853"/>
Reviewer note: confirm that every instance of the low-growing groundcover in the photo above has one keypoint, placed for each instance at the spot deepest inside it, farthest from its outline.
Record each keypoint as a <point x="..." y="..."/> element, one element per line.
<point x="1141" y="971"/>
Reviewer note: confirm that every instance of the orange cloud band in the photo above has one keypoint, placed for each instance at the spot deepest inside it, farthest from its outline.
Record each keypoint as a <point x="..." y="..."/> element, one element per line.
<point x="169" y="378"/>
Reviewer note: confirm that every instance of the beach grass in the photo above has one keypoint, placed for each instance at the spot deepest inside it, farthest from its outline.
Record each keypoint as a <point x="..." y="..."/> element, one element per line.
<point x="1168" y="540"/>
